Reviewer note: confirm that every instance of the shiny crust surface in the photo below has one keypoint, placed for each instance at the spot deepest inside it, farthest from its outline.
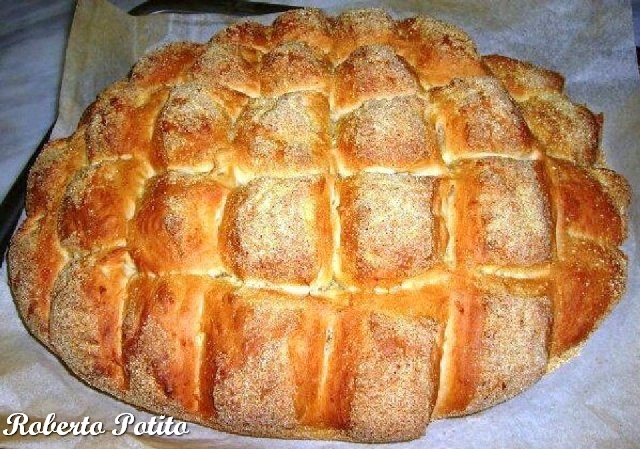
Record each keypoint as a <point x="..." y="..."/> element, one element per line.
<point x="328" y="227"/>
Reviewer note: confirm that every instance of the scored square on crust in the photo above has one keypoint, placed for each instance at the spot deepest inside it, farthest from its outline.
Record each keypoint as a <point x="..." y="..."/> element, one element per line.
<point x="503" y="214"/>
<point x="265" y="353"/>
<point x="566" y="130"/>
<point x="390" y="133"/>
<point x="283" y="136"/>
<point x="175" y="227"/>
<point x="438" y="52"/>
<point x="475" y="117"/>
<point x="389" y="231"/>
<point x="191" y="130"/>
<point x="277" y="230"/>
<point x="385" y="370"/>
<point x="355" y="82"/>
<point x="358" y="27"/>
<point x="294" y="66"/>
<point x="308" y="25"/>
<point x="496" y="344"/>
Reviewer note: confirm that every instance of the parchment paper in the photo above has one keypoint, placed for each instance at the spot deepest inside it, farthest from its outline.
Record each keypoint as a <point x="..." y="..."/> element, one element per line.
<point x="591" y="402"/>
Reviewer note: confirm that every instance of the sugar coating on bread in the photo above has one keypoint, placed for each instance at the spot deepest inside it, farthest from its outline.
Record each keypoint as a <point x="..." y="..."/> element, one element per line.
<point x="388" y="230"/>
<point x="328" y="227"/>
<point x="364" y="136"/>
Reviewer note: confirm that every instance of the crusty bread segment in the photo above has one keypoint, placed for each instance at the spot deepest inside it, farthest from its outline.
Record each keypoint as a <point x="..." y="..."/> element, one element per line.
<point x="502" y="213"/>
<point x="500" y="337"/>
<point x="50" y="174"/>
<point x="283" y="136"/>
<point x="37" y="259"/>
<point x="593" y="281"/>
<point x="36" y="247"/>
<point x="310" y="26"/>
<point x="164" y="342"/>
<point x="584" y="206"/>
<point x="477" y="118"/>
<point x="294" y="66"/>
<point x="247" y="33"/>
<point x="523" y="79"/>
<point x="355" y="81"/>
<point x="388" y="134"/>
<point x="167" y="65"/>
<point x="329" y="227"/>
<point x="388" y="229"/>
<point x="98" y="204"/>
<point x="356" y="28"/>
<point x="87" y="310"/>
<point x="191" y="131"/>
<point x="276" y="229"/>
<point x="176" y="224"/>
<point x="437" y="51"/>
<point x="390" y="375"/>
<point x="268" y="351"/>
<point x="122" y="121"/>
<point x="547" y="112"/>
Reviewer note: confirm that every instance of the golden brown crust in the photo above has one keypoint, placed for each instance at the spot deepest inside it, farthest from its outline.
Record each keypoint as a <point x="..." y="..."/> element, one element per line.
<point x="247" y="33"/>
<point x="387" y="374"/>
<point x="167" y="65"/>
<point x="593" y="279"/>
<point x="98" y="203"/>
<point x="355" y="82"/>
<point x="503" y="213"/>
<point x="229" y="65"/>
<point x="617" y="187"/>
<point x="277" y="230"/>
<point x="294" y="66"/>
<point x="191" y="130"/>
<point x="283" y="136"/>
<point x="176" y="224"/>
<point x="477" y="118"/>
<point x="389" y="133"/>
<point x="308" y="25"/>
<point x="438" y="51"/>
<point x="49" y="175"/>
<point x="268" y="361"/>
<point x="584" y="207"/>
<point x="523" y="79"/>
<point x="504" y="349"/>
<point x="87" y="308"/>
<point x="579" y="141"/>
<point x="36" y="259"/>
<point x="121" y="122"/>
<point x="388" y="229"/>
<point x="359" y="27"/>
<point x="330" y="227"/>
<point x="163" y="341"/>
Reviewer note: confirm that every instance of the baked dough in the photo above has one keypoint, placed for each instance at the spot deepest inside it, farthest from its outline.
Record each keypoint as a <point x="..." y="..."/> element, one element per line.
<point x="330" y="227"/>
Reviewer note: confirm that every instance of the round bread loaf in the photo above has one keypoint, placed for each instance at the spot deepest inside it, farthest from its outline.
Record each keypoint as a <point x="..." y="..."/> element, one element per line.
<point x="330" y="227"/>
